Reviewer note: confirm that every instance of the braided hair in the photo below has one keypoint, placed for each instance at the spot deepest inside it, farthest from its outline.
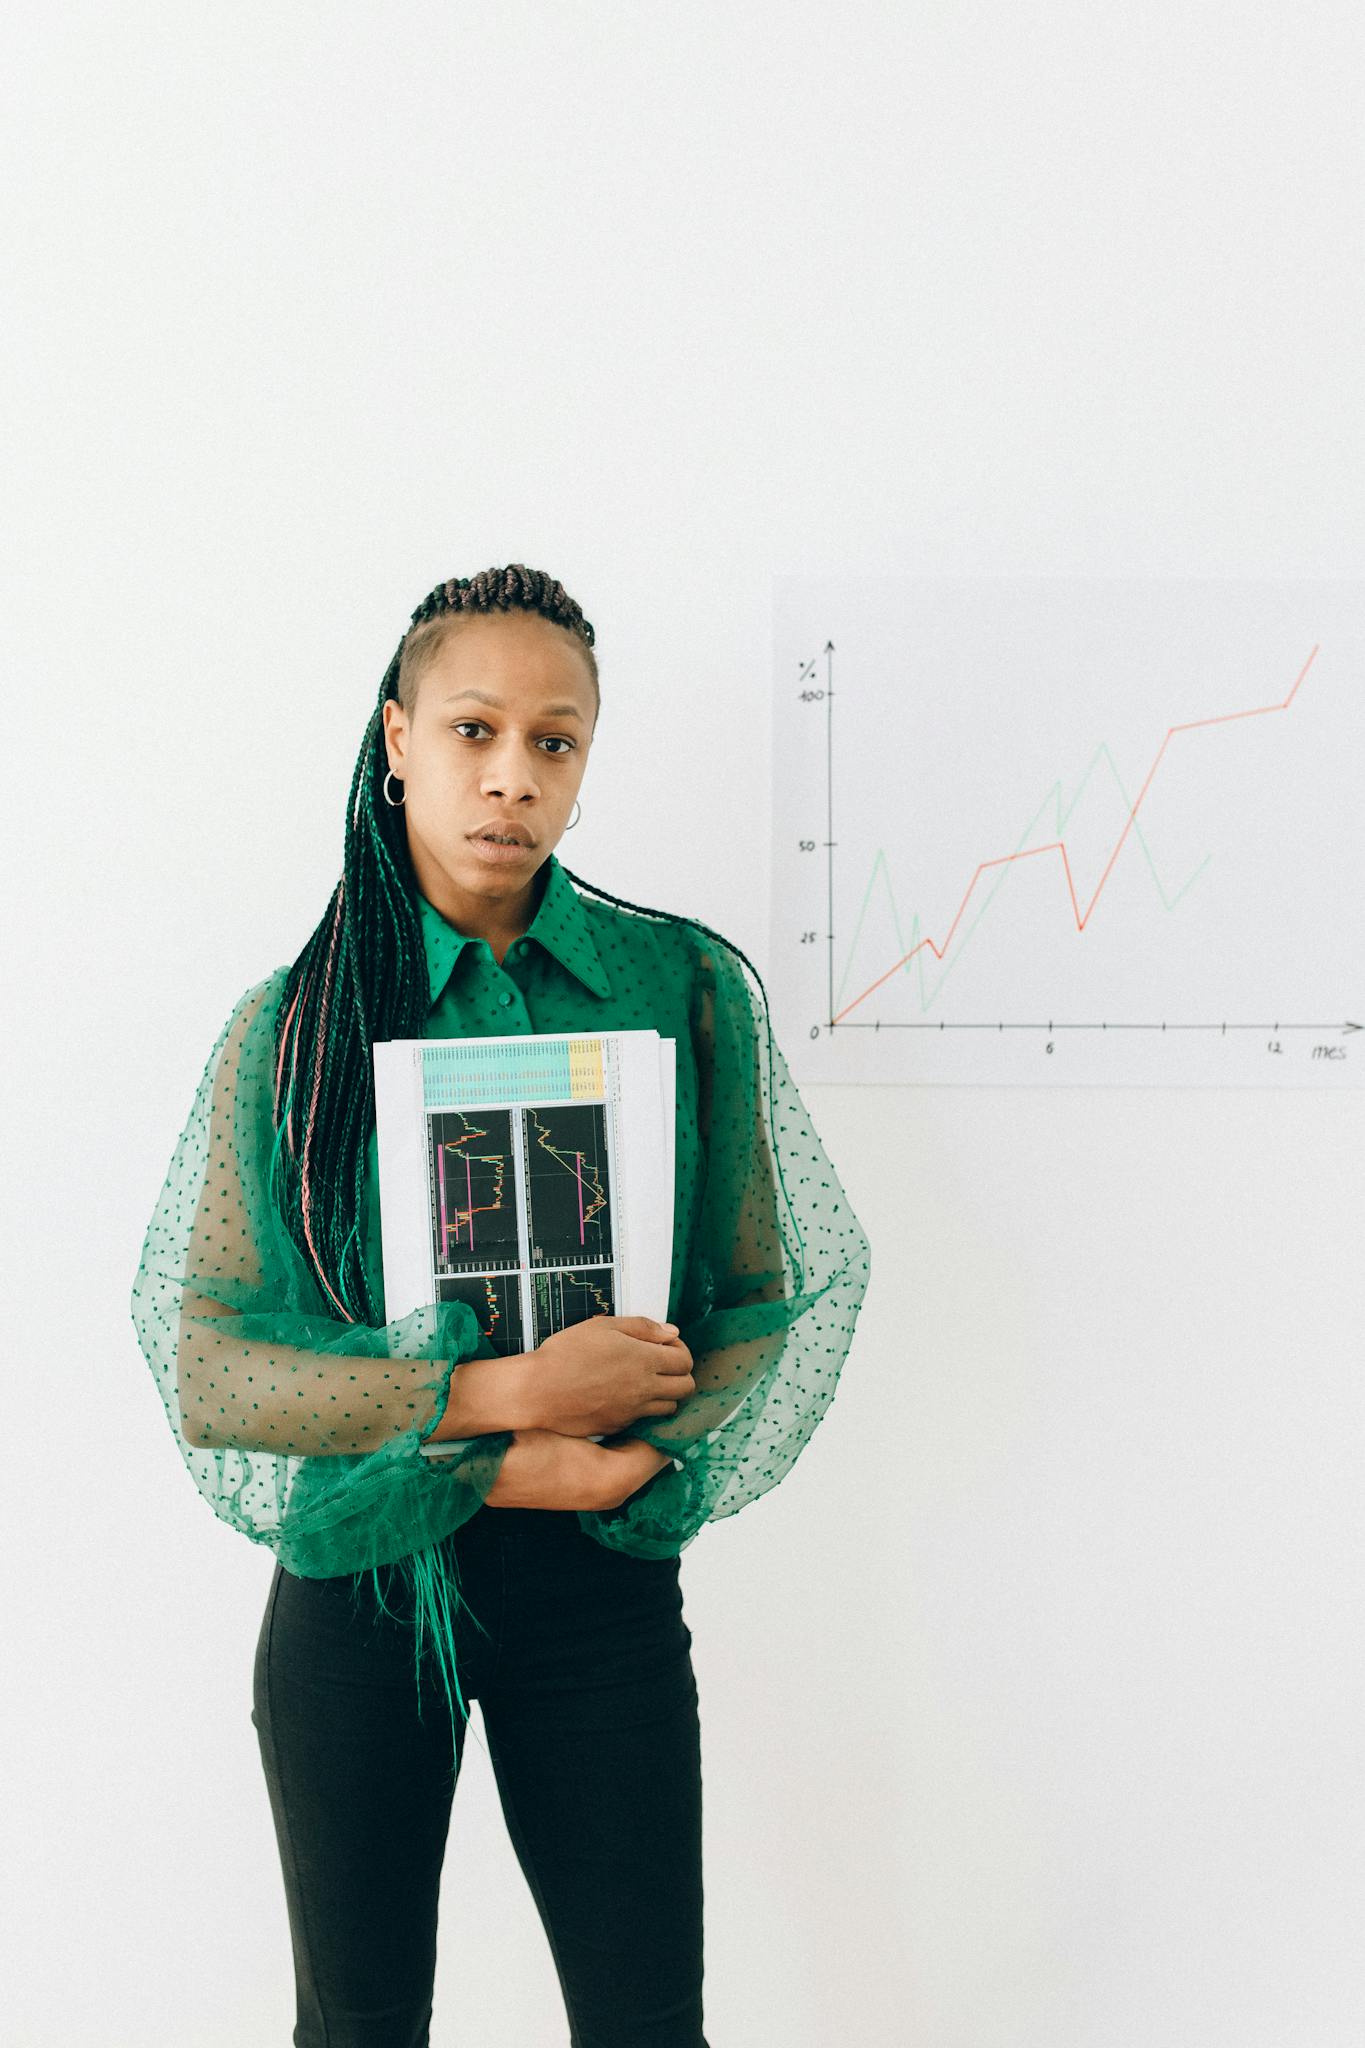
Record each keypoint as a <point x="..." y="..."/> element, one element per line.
<point x="361" y="977"/>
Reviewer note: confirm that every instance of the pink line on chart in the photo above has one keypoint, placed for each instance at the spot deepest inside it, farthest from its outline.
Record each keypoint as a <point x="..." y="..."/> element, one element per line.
<point x="441" y="1179"/>
<point x="579" y="1157"/>
<point x="469" y="1185"/>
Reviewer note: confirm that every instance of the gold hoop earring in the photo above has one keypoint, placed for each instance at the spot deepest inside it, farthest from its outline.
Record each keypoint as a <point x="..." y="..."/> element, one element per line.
<point x="390" y="801"/>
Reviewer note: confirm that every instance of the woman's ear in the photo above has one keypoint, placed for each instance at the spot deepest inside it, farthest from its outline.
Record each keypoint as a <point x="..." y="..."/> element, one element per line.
<point x="395" y="733"/>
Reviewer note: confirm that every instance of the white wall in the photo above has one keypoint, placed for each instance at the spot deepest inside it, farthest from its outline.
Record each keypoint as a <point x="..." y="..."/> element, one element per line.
<point x="1032" y="1698"/>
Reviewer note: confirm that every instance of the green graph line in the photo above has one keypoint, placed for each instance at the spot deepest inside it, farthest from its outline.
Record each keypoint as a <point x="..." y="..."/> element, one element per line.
<point x="917" y="959"/>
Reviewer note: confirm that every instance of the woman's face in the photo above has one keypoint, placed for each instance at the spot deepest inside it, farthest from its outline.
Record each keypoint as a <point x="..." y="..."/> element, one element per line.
<point x="498" y="741"/>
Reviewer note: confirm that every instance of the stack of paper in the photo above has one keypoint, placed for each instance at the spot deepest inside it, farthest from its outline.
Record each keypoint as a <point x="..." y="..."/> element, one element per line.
<point x="530" y="1176"/>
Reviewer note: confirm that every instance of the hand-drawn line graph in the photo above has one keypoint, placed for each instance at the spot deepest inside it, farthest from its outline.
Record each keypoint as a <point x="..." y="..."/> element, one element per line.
<point x="880" y="978"/>
<point x="1057" y="846"/>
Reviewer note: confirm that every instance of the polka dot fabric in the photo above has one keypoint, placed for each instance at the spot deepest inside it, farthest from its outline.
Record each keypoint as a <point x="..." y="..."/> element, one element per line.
<point x="770" y="1279"/>
<point x="303" y="1431"/>
<point x="262" y="1386"/>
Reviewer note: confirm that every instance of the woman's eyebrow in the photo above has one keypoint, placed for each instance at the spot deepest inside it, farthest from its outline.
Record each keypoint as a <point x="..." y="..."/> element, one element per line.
<point x="481" y="696"/>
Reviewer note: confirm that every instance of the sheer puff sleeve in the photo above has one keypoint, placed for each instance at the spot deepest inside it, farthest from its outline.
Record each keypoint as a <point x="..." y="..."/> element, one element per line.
<point x="776" y="1273"/>
<point x="301" y="1429"/>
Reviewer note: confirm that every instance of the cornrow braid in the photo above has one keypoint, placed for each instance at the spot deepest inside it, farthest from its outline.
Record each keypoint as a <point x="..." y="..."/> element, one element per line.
<point x="502" y="589"/>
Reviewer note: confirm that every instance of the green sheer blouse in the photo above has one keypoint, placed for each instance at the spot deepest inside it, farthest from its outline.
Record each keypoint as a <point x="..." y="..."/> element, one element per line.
<point x="303" y="1431"/>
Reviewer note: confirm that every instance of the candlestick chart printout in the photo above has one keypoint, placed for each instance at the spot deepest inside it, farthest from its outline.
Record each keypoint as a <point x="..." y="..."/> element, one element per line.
<point x="519" y="1195"/>
<point x="1069" y="830"/>
<point x="530" y="1177"/>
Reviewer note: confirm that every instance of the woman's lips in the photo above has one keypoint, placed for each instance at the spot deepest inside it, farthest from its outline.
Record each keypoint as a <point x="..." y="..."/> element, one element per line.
<point x="492" y="850"/>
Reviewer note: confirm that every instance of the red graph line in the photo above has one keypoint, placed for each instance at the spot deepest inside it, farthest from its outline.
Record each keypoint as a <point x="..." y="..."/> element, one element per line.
<point x="1059" y="846"/>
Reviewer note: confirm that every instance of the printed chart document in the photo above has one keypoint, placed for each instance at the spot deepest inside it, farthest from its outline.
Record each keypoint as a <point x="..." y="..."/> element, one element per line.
<point x="531" y="1176"/>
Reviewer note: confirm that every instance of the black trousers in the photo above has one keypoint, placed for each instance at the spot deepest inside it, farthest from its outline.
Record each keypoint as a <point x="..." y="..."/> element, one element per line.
<point x="589" y="1707"/>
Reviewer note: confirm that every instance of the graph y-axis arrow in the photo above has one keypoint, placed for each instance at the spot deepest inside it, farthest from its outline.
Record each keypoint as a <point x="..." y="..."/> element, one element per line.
<point x="829" y="817"/>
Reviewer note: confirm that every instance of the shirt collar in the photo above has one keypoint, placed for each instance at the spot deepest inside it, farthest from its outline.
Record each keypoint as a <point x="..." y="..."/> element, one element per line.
<point x="561" y="926"/>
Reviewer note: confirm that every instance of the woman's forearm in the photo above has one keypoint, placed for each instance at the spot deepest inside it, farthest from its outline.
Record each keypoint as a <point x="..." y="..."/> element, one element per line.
<point x="487" y="1395"/>
<point x="542" y="1469"/>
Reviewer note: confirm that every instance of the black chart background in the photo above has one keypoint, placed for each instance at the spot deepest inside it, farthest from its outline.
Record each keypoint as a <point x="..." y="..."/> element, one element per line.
<point x="557" y="1139"/>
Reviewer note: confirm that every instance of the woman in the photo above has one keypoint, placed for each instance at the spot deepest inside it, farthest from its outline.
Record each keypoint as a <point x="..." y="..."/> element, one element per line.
<point x="530" y="1567"/>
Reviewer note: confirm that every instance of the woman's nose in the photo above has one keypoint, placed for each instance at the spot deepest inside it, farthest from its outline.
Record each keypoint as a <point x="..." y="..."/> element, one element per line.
<point x="510" y="774"/>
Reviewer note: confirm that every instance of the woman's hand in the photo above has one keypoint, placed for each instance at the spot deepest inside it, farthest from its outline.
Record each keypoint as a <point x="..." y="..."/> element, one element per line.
<point x="541" y="1469"/>
<point x="606" y="1372"/>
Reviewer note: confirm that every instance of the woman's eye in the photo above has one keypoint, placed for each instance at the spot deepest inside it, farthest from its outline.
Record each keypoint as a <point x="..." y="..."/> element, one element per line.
<point x="558" y="740"/>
